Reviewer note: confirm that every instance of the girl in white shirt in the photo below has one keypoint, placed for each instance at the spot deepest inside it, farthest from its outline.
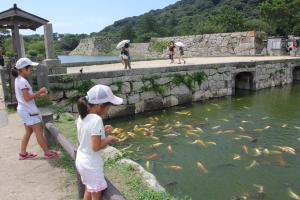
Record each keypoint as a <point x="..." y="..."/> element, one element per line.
<point x="28" y="110"/>
<point x="91" y="136"/>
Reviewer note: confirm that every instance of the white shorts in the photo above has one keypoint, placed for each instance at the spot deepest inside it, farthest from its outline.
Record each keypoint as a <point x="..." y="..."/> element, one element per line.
<point x="29" y="120"/>
<point x="94" y="181"/>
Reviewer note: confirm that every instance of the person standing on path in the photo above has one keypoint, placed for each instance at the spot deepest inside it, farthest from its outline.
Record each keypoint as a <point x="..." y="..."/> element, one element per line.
<point x="172" y="49"/>
<point x="91" y="136"/>
<point x="126" y="56"/>
<point x="28" y="110"/>
<point x="181" y="54"/>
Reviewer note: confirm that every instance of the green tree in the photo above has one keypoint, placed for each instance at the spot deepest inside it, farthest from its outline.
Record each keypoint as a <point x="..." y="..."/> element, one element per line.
<point x="127" y="32"/>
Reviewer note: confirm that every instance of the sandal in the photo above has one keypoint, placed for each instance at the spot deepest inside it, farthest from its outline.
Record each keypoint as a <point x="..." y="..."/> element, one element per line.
<point x="51" y="154"/>
<point x="27" y="155"/>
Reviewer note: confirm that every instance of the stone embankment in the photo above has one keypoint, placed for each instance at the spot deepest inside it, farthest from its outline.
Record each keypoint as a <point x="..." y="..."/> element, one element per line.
<point x="220" y="44"/>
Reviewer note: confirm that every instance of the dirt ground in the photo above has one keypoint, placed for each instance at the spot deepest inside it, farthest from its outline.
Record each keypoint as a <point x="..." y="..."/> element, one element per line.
<point x="166" y="63"/>
<point x="33" y="179"/>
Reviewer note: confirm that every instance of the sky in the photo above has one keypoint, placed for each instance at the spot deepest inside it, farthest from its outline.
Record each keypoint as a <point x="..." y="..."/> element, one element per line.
<point x="83" y="16"/>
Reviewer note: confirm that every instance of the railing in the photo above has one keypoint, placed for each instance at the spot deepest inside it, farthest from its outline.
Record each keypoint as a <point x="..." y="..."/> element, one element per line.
<point x="53" y="135"/>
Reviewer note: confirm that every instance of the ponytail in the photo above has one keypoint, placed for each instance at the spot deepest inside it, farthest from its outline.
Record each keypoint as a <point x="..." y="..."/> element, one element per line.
<point x="82" y="106"/>
<point x="15" y="72"/>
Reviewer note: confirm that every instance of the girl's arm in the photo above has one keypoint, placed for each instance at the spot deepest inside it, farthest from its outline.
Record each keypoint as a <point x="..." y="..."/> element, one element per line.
<point x="98" y="143"/>
<point x="28" y="97"/>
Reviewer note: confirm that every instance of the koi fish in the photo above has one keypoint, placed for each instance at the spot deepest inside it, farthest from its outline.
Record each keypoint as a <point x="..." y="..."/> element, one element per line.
<point x="123" y="139"/>
<point x="266" y="151"/>
<point x="211" y="143"/>
<point x="187" y="113"/>
<point x="131" y="134"/>
<point x="259" y="130"/>
<point x="152" y="156"/>
<point x="170" y="149"/>
<point x="225" y="120"/>
<point x="208" y="109"/>
<point x="245" y="121"/>
<point x="246" y="107"/>
<point x="199" y="129"/>
<point x="274" y="152"/>
<point x="147" y="165"/>
<point x="264" y="118"/>
<point x="156" y="118"/>
<point x="156" y="145"/>
<point x="191" y="133"/>
<point x="241" y="128"/>
<point x="245" y="149"/>
<point x="260" y="188"/>
<point x="167" y="126"/>
<point x="253" y="164"/>
<point x="296" y="127"/>
<point x="292" y="194"/>
<point x="202" y="167"/>
<point x="282" y="162"/>
<point x="267" y="127"/>
<point x="117" y="131"/>
<point x="200" y="142"/>
<point x="174" y="167"/>
<point x="219" y="132"/>
<point x="148" y="125"/>
<point x="257" y="152"/>
<point x="286" y="149"/>
<point x="246" y="137"/>
<point x="178" y="124"/>
<point x="147" y="133"/>
<point x="154" y="138"/>
<point x="188" y="126"/>
<point x="215" y="127"/>
<point x="230" y="131"/>
<point x="284" y="125"/>
<point x="236" y="157"/>
<point x="171" y="135"/>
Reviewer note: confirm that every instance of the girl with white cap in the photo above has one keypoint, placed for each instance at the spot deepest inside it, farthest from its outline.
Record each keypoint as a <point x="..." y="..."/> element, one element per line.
<point x="28" y="110"/>
<point x="91" y="136"/>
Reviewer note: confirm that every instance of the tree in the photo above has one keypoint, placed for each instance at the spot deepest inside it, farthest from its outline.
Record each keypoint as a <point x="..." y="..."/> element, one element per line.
<point x="127" y="32"/>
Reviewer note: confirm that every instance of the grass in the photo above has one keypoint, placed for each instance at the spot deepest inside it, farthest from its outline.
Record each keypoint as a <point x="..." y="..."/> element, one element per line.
<point x="10" y="110"/>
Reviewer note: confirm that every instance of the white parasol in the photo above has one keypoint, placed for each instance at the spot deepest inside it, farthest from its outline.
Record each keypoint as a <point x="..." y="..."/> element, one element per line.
<point x="122" y="43"/>
<point x="179" y="44"/>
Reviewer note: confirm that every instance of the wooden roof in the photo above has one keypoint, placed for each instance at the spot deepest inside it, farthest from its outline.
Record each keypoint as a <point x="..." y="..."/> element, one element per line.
<point x="23" y="19"/>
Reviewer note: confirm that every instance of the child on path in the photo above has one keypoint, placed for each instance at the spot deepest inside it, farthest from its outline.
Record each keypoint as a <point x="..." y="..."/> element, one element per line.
<point x="181" y="54"/>
<point x="28" y="110"/>
<point x="172" y="49"/>
<point x="91" y="136"/>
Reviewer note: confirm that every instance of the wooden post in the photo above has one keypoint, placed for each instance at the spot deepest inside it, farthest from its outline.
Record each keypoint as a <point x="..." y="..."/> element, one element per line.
<point x="16" y="40"/>
<point x="47" y="116"/>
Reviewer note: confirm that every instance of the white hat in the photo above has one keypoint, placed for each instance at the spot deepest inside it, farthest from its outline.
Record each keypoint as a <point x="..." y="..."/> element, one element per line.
<point x="100" y="94"/>
<point x="24" y="62"/>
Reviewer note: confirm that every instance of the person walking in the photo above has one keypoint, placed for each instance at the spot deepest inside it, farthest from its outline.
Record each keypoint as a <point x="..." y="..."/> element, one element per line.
<point x="172" y="49"/>
<point x="126" y="56"/>
<point x="91" y="136"/>
<point x="181" y="54"/>
<point x="28" y="110"/>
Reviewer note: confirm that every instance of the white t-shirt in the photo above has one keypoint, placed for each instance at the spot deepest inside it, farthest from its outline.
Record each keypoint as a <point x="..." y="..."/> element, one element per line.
<point x="27" y="106"/>
<point x="91" y="125"/>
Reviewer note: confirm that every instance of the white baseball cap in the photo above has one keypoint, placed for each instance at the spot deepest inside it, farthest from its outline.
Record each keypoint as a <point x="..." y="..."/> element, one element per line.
<point x="24" y="62"/>
<point x="100" y="94"/>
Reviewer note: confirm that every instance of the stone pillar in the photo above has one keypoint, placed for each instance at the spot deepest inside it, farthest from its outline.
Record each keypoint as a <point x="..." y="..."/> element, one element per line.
<point x="42" y="76"/>
<point x="49" y="47"/>
<point x="51" y="61"/>
<point x="23" y="54"/>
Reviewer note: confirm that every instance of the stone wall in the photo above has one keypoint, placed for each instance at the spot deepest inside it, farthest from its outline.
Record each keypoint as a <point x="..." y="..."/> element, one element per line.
<point x="155" y="88"/>
<point x="95" y="46"/>
<point x="220" y="44"/>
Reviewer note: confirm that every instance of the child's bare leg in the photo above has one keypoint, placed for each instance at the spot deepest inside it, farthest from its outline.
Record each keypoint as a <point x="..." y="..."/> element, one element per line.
<point x="87" y="195"/>
<point x="96" y="196"/>
<point x="37" y="129"/>
<point x="25" y="139"/>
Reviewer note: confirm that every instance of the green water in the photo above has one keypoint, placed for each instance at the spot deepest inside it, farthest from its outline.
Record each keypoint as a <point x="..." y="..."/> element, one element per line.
<point x="226" y="178"/>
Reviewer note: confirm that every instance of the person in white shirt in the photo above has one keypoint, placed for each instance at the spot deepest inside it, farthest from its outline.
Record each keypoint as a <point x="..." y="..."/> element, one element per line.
<point x="91" y="136"/>
<point x="28" y="110"/>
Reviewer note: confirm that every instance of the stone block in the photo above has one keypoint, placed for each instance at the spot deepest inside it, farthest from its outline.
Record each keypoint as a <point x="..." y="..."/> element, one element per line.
<point x="170" y="101"/>
<point x="179" y="90"/>
<point x="122" y="110"/>
<point x="153" y="104"/>
<point x="137" y="86"/>
<point x="126" y="89"/>
<point x="139" y="107"/>
<point x="132" y="99"/>
<point x="148" y="95"/>
<point x="198" y="95"/>
<point x="103" y="81"/>
<point x="184" y="99"/>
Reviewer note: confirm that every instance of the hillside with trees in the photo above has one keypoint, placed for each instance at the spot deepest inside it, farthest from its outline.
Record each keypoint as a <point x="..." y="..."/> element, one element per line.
<point x="190" y="17"/>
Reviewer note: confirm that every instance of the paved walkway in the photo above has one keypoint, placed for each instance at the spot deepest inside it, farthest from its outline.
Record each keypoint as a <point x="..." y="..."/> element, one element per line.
<point x="34" y="179"/>
<point x="166" y="63"/>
